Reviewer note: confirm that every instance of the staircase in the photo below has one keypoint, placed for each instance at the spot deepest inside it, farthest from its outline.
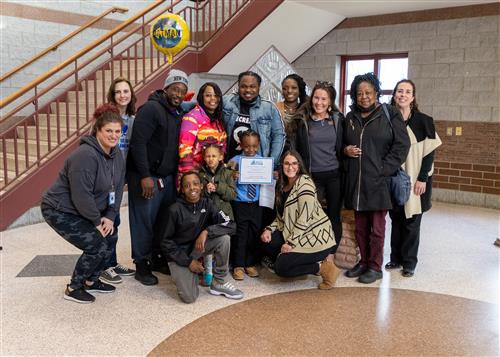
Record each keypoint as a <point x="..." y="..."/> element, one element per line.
<point x="33" y="150"/>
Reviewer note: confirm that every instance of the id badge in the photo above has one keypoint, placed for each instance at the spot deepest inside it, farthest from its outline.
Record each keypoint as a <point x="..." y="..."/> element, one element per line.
<point x="161" y="184"/>
<point x="111" y="198"/>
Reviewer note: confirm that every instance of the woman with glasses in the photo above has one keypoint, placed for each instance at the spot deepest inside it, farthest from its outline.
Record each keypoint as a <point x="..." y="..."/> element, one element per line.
<point x="375" y="146"/>
<point x="319" y="142"/>
<point x="201" y="127"/>
<point x="300" y="238"/>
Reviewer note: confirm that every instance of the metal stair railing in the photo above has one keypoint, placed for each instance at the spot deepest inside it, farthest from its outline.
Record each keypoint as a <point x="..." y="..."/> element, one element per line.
<point x="84" y="79"/>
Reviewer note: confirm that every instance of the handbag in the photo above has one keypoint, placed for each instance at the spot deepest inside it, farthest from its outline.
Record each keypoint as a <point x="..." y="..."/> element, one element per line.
<point x="400" y="181"/>
<point x="400" y="187"/>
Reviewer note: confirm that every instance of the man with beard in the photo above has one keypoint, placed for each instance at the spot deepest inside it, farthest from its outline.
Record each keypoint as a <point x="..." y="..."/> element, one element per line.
<point x="248" y="111"/>
<point x="151" y="172"/>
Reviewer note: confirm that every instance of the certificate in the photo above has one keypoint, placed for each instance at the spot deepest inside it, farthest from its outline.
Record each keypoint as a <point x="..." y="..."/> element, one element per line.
<point x="256" y="170"/>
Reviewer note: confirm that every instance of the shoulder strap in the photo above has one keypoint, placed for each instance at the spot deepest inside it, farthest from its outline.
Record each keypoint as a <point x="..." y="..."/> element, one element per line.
<point x="384" y="107"/>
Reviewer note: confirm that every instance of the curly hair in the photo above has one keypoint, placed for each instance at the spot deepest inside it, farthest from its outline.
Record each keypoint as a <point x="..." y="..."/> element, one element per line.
<point x="301" y="84"/>
<point x="413" y="104"/>
<point x="111" y="95"/>
<point x="369" y="78"/>
<point x="105" y="114"/>
<point x="251" y="74"/>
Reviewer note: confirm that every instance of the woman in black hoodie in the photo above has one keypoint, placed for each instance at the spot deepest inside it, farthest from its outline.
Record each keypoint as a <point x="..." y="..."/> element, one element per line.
<point x="83" y="202"/>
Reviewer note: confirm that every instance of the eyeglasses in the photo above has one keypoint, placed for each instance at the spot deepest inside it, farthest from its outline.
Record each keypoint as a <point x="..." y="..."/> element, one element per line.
<point x="296" y="163"/>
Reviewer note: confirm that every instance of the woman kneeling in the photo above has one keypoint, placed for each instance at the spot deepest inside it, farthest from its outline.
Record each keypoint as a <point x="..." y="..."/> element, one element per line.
<point x="301" y="236"/>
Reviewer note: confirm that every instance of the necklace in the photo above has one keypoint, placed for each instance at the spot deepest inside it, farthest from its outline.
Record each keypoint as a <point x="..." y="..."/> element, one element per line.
<point x="290" y="109"/>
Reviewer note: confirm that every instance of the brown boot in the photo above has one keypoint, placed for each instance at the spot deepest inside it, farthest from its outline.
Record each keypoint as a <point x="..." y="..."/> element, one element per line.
<point x="329" y="272"/>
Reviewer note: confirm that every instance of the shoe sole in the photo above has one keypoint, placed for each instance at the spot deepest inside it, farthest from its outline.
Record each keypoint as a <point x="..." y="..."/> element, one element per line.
<point x="69" y="298"/>
<point x="369" y="282"/>
<point x="218" y="293"/>
<point x="125" y="274"/>
<point x="100" y="291"/>
<point x="110" y="281"/>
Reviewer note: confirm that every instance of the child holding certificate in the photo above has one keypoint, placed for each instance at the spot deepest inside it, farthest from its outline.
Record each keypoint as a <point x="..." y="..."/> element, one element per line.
<point x="247" y="213"/>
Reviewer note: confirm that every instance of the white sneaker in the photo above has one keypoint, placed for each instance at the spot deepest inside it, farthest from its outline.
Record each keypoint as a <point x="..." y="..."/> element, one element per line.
<point x="226" y="289"/>
<point x="109" y="276"/>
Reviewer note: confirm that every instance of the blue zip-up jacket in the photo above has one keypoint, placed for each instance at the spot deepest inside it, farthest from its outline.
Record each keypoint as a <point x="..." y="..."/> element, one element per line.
<point x="265" y="119"/>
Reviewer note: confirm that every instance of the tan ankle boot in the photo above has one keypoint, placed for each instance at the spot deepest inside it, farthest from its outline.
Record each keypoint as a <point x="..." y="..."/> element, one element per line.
<point x="329" y="272"/>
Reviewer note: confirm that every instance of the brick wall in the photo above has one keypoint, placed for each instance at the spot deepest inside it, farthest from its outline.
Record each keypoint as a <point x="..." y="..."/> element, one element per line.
<point x="455" y="64"/>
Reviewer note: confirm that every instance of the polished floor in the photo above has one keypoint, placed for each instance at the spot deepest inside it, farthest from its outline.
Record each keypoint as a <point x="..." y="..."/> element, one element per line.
<point x="449" y="308"/>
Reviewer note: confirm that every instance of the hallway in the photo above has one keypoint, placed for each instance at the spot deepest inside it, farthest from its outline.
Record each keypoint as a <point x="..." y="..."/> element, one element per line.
<point x="450" y="306"/>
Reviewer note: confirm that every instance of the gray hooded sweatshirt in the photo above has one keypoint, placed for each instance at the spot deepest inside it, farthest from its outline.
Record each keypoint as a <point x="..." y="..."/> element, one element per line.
<point x="86" y="180"/>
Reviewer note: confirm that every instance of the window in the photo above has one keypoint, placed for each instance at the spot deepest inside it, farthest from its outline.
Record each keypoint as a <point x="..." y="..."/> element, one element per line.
<point x="389" y="68"/>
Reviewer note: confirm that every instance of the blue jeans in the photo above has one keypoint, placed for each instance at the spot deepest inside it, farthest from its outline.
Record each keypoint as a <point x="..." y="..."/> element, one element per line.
<point x="145" y="216"/>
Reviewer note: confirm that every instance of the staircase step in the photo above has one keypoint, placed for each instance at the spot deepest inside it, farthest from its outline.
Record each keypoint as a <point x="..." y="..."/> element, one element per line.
<point x="31" y="131"/>
<point x="131" y="76"/>
<point x="21" y="146"/>
<point x="11" y="162"/>
<point x="43" y="120"/>
<point x="96" y="83"/>
<point x="101" y="97"/>
<point x="72" y="109"/>
<point x="127" y="63"/>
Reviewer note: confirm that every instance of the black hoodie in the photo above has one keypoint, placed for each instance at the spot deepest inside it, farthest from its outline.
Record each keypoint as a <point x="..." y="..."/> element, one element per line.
<point x="154" y="147"/>
<point x="85" y="181"/>
<point x="185" y="223"/>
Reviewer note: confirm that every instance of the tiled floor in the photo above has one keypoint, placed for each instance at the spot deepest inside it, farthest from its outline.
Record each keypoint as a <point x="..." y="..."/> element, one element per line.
<point x="458" y="262"/>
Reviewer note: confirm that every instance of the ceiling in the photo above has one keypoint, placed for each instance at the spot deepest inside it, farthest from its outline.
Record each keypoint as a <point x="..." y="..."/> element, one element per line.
<point x="358" y="8"/>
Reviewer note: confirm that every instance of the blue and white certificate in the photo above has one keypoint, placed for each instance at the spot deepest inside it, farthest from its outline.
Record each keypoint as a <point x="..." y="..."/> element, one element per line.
<point x="256" y="170"/>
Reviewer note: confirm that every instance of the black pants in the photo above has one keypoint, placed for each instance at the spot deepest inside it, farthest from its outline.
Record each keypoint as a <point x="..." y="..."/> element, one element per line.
<point x="405" y="237"/>
<point x="84" y="235"/>
<point x="328" y="185"/>
<point x="291" y="264"/>
<point x="245" y="243"/>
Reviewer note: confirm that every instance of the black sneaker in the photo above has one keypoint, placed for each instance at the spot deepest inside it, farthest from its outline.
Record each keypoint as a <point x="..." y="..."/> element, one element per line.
<point x="143" y="273"/>
<point x="370" y="276"/>
<point x="100" y="287"/>
<point x="78" y="295"/>
<point x="358" y="270"/>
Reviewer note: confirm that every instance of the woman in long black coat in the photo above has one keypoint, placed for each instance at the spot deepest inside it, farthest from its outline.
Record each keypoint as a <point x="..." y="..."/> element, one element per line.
<point x="375" y="146"/>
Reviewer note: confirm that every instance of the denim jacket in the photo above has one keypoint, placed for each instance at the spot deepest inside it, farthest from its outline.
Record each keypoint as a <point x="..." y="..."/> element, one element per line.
<point x="265" y="119"/>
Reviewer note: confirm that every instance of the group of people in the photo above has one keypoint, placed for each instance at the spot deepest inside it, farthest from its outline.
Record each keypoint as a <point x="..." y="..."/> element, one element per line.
<point x="188" y="211"/>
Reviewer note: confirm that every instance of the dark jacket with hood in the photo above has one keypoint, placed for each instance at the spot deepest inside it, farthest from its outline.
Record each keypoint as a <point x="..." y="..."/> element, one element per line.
<point x="299" y="139"/>
<point x="384" y="149"/>
<point x="154" y="147"/>
<point x="185" y="223"/>
<point x="85" y="181"/>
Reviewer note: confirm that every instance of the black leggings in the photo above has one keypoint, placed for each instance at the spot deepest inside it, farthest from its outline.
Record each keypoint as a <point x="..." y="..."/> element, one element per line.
<point x="292" y="264"/>
<point x="328" y="185"/>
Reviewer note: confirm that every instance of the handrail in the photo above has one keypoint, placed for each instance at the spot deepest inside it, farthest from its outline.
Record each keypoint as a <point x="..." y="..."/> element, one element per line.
<point x="61" y="125"/>
<point x="70" y="60"/>
<point x="54" y="46"/>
